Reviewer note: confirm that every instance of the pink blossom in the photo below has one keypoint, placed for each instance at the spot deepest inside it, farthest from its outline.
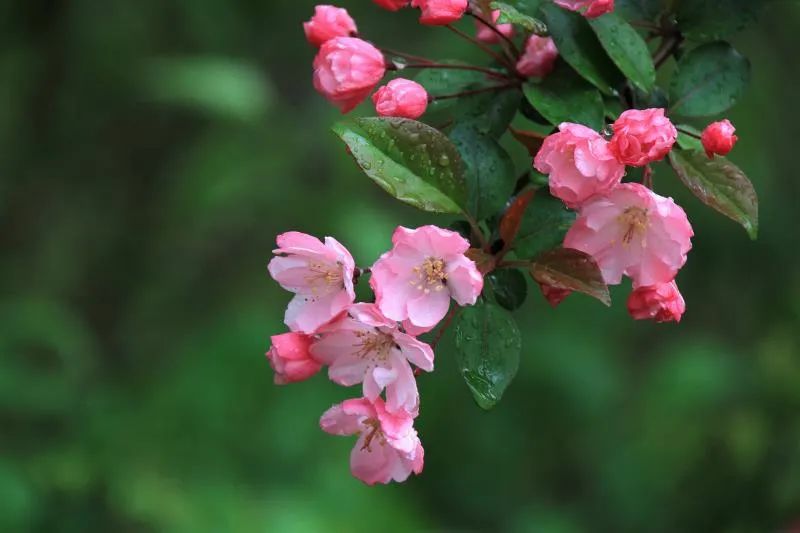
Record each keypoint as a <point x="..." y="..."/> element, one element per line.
<point x="488" y="35"/>
<point x="388" y="448"/>
<point x="320" y="275"/>
<point x="633" y="231"/>
<point x="642" y="136"/>
<point x="539" y="57"/>
<point x="718" y="138"/>
<point x="589" y="8"/>
<point x="328" y="22"/>
<point x="579" y="163"/>
<point x="440" y="12"/>
<point x="290" y="358"/>
<point x="392" y="5"/>
<point x="425" y="268"/>
<point x="346" y="70"/>
<point x="401" y="98"/>
<point x="662" y="302"/>
<point x="554" y="295"/>
<point x="367" y="347"/>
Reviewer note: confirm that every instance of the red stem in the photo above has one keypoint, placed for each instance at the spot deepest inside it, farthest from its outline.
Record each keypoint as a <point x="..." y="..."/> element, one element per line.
<point x="475" y="91"/>
<point x="492" y="27"/>
<point x="500" y="59"/>
<point x="486" y="71"/>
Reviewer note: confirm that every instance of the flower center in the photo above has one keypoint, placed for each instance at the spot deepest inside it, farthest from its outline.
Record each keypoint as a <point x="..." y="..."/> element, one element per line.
<point x="323" y="277"/>
<point x="634" y="220"/>
<point x="373" y="432"/>
<point x="430" y="275"/>
<point x="374" y="345"/>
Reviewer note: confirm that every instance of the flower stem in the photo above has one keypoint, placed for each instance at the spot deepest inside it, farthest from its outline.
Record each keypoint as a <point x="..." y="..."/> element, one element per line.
<point x="486" y="71"/>
<point x="499" y="58"/>
<point x="475" y="91"/>
<point x="391" y="52"/>
<point x="687" y="132"/>
<point x="446" y="324"/>
<point x="508" y="42"/>
<point x="669" y="44"/>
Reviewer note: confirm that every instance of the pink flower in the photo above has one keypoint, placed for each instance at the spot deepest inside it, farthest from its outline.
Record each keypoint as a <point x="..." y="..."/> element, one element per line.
<point x="346" y="70"/>
<point x="642" y="136"/>
<point x="662" y="303"/>
<point x="554" y="295"/>
<point x="539" y="57"/>
<point x="633" y="231"/>
<point x="440" y="12"/>
<point x="579" y="163"/>
<point x="589" y="8"/>
<point x="488" y="35"/>
<point x="320" y="275"/>
<point x="290" y="358"/>
<point x="367" y="347"/>
<point x="328" y="22"/>
<point x="415" y="280"/>
<point x="401" y="98"/>
<point x="718" y="138"/>
<point x="392" y="5"/>
<point x="388" y="448"/>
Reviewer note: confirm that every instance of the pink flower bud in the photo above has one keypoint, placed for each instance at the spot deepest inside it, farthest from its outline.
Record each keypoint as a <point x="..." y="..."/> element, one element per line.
<point x="392" y="5"/>
<point x="346" y="70"/>
<point x="579" y="163"/>
<point x="642" y="136"/>
<point x="662" y="303"/>
<point x="328" y="22"/>
<point x="539" y="57"/>
<point x="590" y="8"/>
<point x="554" y="295"/>
<point x="718" y="138"/>
<point x="440" y="12"/>
<point x="291" y="359"/>
<point x="401" y="98"/>
<point x="487" y="35"/>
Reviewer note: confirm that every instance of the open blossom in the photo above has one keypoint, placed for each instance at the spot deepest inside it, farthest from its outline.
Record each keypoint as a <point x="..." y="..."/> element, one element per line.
<point x="642" y="136"/>
<point x="487" y="35"/>
<point x="401" y="98"/>
<point x="662" y="303"/>
<point x="367" y="347"/>
<point x="388" y="448"/>
<point x="718" y="138"/>
<point x="320" y="275"/>
<point x="290" y="358"/>
<point x="538" y="58"/>
<point x="589" y="8"/>
<point x="346" y="70"/>
<point x="392" y="5"/>
<point x="579" y="164"/>
<point x="328" y="22"/>
<point x="425" y="268"/>
<point x="440" y="12"/>
<point x="633" y="231"/>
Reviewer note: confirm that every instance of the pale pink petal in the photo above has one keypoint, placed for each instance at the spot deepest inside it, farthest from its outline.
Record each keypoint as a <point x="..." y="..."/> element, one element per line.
<point x="428" y="309"/>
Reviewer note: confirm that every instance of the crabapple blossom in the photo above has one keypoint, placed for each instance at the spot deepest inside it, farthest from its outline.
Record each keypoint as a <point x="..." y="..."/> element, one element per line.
<point x="328" y="22"/>
<point x="642" y="136"/>
<point x="579" y="164"/>
<point x="440" y="12"/>
<point x="346" y="70"/>
<point x="290" y="358"/>
<point x="589" y="8"/>
<point x="633" y="231"/>
<point x="365" y="346"/>
<point x="387" y="449"/>
<point x="392" y="5"/>
<point x="320" y="275"/>
<point x="538" y="58"/>
<point x="487" y="35"/>
<point x="662" y="302"/>
<point x="425" y="268"/>
<point x="401" y="98"/>
<point x="554" y="295"/>
<point x="718" y="138"/>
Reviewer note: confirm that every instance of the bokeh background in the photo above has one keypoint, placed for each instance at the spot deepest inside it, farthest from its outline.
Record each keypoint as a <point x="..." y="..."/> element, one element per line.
<point x="150" y="151"/>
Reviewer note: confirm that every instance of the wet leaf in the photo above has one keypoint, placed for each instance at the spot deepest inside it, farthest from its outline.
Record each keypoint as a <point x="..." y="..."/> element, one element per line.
<point x="565" y="268"/>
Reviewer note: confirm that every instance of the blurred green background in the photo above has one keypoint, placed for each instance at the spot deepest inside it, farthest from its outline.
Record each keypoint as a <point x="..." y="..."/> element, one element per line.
<point x="150" y="151"/>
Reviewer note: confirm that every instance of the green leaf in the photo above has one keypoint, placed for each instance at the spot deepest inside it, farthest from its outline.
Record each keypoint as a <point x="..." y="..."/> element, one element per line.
<point x="578" y="45"/>
<point x="689" y="142"/>
<point x="719" y="184"/>
<point x="706" y="20"/>
<point x="544" y="225"/>
<point x="509" y="286"/>
<point x="709" y="80"/>
<point x="565" y="268"/>
<point x="564" y="97"/>
<point x="413" y="162"/>
<point x="510" y="15"/>
<point x="488" y="169"/>
<point x="489" y="113"/>
<point x="626" y="48"/>
<point x="488" y="345"/>
<point x="640" y="9"/>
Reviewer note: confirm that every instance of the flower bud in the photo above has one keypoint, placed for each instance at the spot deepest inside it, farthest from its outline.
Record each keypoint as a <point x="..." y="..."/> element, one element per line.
<point x="539" y="57"/>
<point x="291" y="359"/>
<point x="589" y="8"/>
<point x="554" y="295"/>
<point x="440" y="12"/>
<point x="401" y="98"/>
<point x="662" y="303"/>
<point x="392" y="5"/>
<point x="718" y="138"/>
<point x="346" y="70"/>
<point x="328" y="22"/>
<point x="642" y="136"/>
<point x="487" y="35"/>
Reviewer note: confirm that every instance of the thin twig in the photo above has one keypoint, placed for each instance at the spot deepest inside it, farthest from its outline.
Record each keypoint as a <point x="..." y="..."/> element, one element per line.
<point x="391" y="52"/>
<point x="500" y="59"/>
<point x="475" y="91"/>
<point x="486" y="71"/>
<point x="668" y="47"/>
<point x="687" y="132"/>
<point x="492" y="27"/>
<point x="446" y="324"/>
<point x="476" y="231"/>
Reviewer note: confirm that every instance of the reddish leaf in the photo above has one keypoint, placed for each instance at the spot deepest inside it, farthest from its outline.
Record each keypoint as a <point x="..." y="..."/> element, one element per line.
<point x="483" y="261"/>
<point x="530" y="140"/>
<point x="509" y="225"/>
<point x="568" y="269"/>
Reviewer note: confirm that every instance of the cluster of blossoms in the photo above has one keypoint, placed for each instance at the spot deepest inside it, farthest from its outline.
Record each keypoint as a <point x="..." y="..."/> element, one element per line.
<point x="373" y="344"/>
